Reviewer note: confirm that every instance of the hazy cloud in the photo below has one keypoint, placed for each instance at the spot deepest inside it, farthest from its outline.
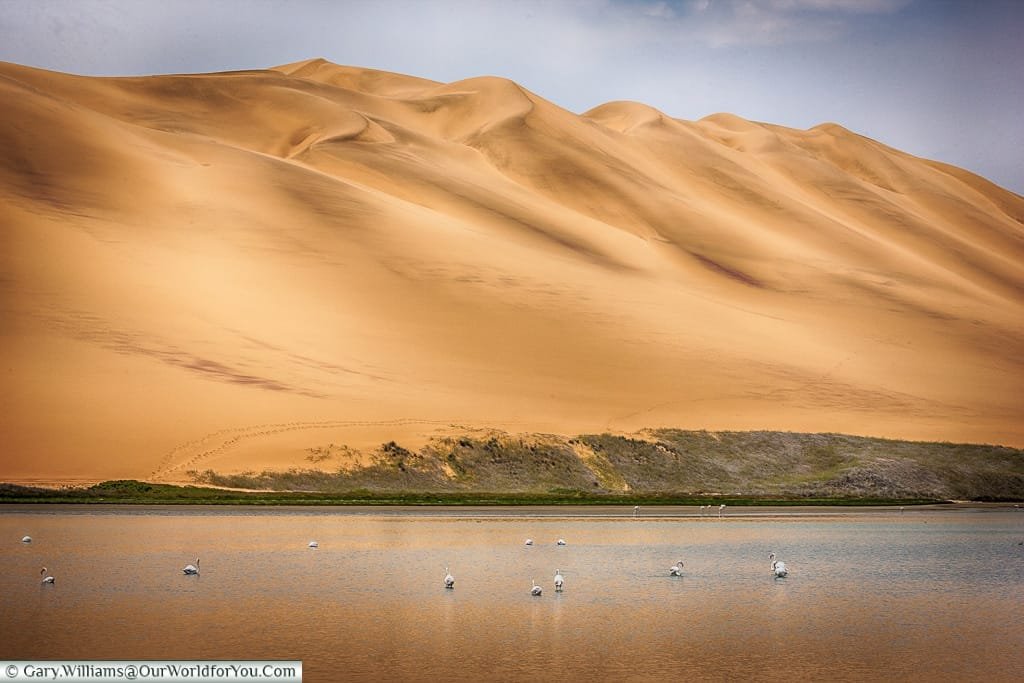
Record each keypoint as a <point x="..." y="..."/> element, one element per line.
<point x="727" y="23"/>
<point x="853" y="6"/>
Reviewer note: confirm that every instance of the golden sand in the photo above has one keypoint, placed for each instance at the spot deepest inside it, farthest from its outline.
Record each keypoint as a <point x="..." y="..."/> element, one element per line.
<point x="226" y="270"/>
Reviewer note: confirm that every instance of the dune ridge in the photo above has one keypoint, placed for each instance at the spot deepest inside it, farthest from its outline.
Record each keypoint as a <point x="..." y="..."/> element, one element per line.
<point x="386" y="256"/>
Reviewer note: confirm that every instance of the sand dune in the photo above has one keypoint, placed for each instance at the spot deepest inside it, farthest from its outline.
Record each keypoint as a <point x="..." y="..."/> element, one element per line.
<point x="367" y="256"/>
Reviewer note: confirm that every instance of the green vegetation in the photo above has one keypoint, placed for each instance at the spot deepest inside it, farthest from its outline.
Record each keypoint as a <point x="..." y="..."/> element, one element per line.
<point x="131" y="492"/>
<point x="666" y="466"/>
<point x="670" y="462"/>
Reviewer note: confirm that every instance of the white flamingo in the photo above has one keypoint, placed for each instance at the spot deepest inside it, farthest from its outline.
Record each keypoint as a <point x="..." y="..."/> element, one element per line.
<point x="449" y="580"/>
<point x="778" y="567"/>
<point x="676" y="569"/>
<point x="536" y="590"/>
<point x="720" y="509"/>
<point x="26" y="539"/>
<point x="46" y="579"/>
<point x="192" y="569"/>
<point x="560" y="541"/>
<point x="314" y="544"/>
<point x="529" y="541"/>
<point x="636" y="510"/>
<point x="559" y="580"/>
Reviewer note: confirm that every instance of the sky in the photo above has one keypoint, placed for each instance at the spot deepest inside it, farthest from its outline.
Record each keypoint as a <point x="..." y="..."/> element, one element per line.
<point x="942" y="79"/>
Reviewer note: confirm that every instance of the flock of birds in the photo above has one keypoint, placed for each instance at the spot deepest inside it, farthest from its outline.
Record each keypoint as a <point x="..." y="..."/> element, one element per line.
<point x="778" y="567"/>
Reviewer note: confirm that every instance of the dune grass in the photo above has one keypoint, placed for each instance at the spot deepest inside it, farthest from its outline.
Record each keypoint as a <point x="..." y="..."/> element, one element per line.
<point x="132" y="492"/>
<point x="695" y="465"/>
<point x="664" y="467"/>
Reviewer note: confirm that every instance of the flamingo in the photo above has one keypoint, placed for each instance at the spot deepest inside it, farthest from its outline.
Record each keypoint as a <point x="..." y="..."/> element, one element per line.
<point x="26" y="539"/>
<point x="46" y="579"/>
<point x="559" y="581"/>
<point x="449" y="580"/>
<point x="778" y="567"/>
<point x="314" y="544"/>
<point x="636" y="510"/>
<point x="529" y="541"/>
<point x="720" y="508"/>
<point x="192" y="569"/>
<point x="560" y="541"/>
<point x="676" y="569"/>
<point x="536" y="590"/>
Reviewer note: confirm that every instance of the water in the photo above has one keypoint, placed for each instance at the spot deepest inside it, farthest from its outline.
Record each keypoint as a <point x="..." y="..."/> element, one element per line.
<point x="871" y="595"/>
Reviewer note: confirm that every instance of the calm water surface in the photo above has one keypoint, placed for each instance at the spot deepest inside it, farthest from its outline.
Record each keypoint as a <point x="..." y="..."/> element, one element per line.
<point x="871" y="595"/>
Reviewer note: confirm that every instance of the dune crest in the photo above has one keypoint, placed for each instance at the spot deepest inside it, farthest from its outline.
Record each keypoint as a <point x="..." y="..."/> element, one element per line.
<point x="357" y="256"/>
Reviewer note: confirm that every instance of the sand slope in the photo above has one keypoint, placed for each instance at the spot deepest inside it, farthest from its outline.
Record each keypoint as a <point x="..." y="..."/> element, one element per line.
<point x="225" y="270"/>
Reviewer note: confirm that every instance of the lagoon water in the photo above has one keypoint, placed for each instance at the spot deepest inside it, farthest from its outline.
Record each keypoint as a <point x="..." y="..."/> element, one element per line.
<point x="872" y="594"/>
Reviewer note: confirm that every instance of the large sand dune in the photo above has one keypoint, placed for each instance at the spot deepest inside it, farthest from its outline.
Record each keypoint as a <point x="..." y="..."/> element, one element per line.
<point x="224" y="270"/>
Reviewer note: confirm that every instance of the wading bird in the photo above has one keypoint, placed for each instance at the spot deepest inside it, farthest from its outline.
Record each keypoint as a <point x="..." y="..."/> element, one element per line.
<point x="778" y="567"/>
<point x="46" y="579"/>
<point x="449" y="580"/>
<point x="559" y="580"/>
<point x="720" y="508"/>
<point x="560" y="541"/>
<point x="314" y="544"/>
<point x="536" y="590"/>
<point x="529" y="541"/>
<point x="26" y="539"/>
<point x="676" y="569"/>
<point x="192" y="569"/>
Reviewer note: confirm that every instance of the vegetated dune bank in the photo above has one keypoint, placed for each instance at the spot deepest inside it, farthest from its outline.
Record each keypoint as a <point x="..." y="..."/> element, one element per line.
<point x="226" y="270"/>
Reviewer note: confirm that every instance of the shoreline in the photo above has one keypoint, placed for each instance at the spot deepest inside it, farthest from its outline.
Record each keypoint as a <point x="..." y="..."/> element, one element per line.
<point x="130" y="492"/>
<point x="708" y="503"/>
<point x="620" y="513"/>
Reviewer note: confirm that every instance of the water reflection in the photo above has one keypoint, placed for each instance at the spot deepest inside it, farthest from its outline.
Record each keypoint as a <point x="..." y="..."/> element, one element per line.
<point x="870" y="596"/>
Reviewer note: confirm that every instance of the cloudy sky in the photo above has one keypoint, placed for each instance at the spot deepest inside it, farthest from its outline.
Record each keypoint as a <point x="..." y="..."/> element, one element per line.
<point x="938" y="78"/>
